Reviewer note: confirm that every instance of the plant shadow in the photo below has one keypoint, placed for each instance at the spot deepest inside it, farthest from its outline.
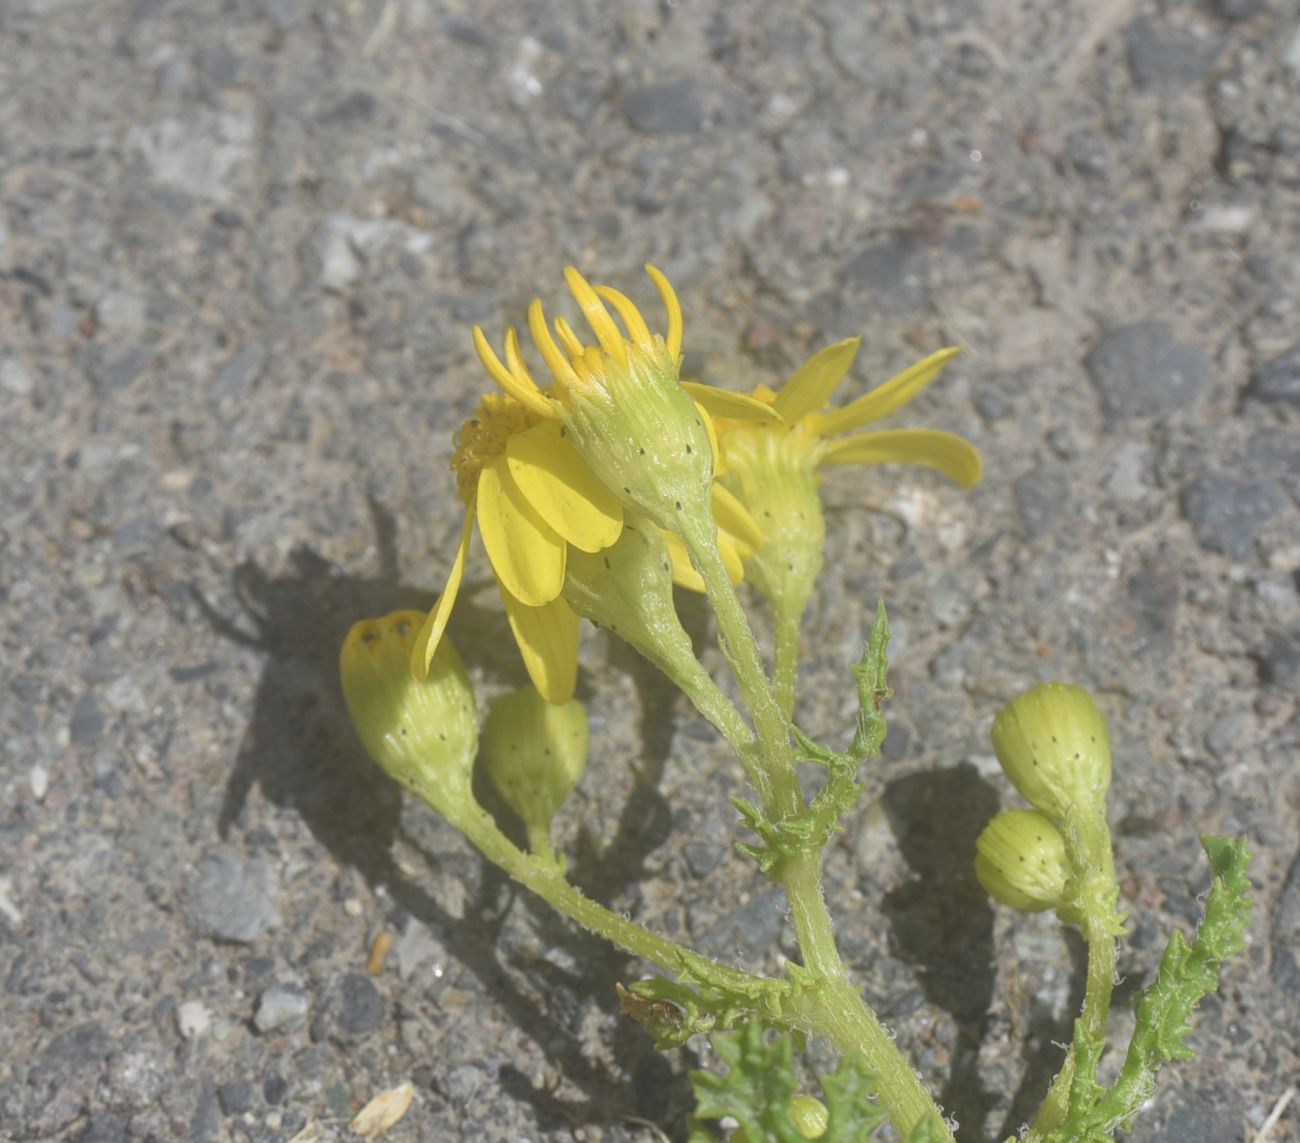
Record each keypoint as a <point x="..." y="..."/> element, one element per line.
<point x="299" y="752"/>
<point x="941" y="921"/>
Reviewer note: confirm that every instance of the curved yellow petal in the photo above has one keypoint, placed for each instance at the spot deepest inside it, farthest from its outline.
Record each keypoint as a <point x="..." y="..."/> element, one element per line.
<point x="548" y="641"/>
<point x="893" y="394"/>
<point x="527" y="554"/>
<point x="684" y="573"/>
<point x="736" y="406"/>
<point x="673" y="339"/>
<point x="526" y="393"/>
<point x="555" y="360"/>
<point x="571" y="341"/>
<point x="593" y="309"/>
<point x="560" y="487"/>
<point x="734" y="518"/>
<point x="952" y="455"/>
<point x="435" y="623"/>
<point x="712" y="432"/>
<point x="636" y="326"/>
<point x="814" y="381"/>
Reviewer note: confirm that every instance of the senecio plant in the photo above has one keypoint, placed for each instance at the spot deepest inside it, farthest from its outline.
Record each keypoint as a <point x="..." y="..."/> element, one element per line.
<point x="594" y="494"/>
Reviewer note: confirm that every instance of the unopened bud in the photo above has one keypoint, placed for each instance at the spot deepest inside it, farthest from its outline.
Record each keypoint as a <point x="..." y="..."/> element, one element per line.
<point x="1021" y="860"/>
<point x="1053" y="745"/>
<point x="809" y="1116"/>
<point x="422" y="732"/>
<point x="536" y="752"/>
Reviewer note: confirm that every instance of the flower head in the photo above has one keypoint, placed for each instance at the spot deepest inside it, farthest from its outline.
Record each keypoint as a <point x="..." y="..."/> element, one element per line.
<point x="1021" y="860"/>
<point x="1053" y="744"/>
<point x="773" y="468"/>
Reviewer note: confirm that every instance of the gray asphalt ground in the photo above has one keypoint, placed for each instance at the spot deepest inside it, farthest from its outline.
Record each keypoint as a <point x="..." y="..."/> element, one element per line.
<point x="241" y="247"/>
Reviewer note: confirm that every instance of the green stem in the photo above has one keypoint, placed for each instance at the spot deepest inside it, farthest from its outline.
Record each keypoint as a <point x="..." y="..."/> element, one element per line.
<point x="781" y="796"/>
<point x="785" y="660"/>
<point x="1096" y="1008"/>
<point x="544" y="878"/>
<point x="834" y="1007"/>
<point x="1090" y="849"/>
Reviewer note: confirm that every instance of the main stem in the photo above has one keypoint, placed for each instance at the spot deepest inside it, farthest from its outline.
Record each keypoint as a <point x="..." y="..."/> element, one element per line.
<point x="833" y="1008"/>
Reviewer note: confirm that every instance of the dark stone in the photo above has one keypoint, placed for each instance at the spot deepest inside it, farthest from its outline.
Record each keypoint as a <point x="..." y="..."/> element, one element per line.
<point x="241" y="371"/>
<point x="76" y="1053"/>
<point x="121" y="370"/>
<point x="1279" y="661"/>
<point x="360" y="1006"/>
<point x="87" y="722"/>
<point x="896" y="269"/>
<point x="234" y="898"/>
<point x="1151" y="597"/>
<point x="274" y="1088"/>
<point x="1279" y="379"/>
<point x="205" y="1123"/>
<point x="235" y="1097"/>
<point x="1209" y="1116"/>
<point x="1224" y="513"/>
<point x="356" y="107"/>
<point x="1164" y="58"/>
<point x="1140" y="370"/>
<point x="1237" y="10"/>
<point x="103" y="1127"/>
<point x="703" y="856"/>
<point x="749" y="933"/>
<point x="1040" y="496"/>
<point x="898" y="741"/>
<point x="1088" y="153"/>
<point x="675" y="107"/>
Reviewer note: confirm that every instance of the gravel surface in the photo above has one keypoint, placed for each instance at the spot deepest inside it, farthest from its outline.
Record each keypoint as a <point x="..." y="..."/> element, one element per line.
<point x="241" y="246"/>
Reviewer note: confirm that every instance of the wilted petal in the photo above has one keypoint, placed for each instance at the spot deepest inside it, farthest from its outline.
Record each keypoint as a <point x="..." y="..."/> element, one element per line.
<point x="435" y="623"/>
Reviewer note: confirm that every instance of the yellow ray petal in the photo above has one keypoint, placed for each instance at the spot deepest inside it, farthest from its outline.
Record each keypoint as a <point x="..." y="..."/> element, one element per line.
<point x="636" y="326"/>
<point x="673" y="339"/>
<point x="952" y="455"/>
<point x="814" y="381"/>
<point x="527" y="554"/>
<point x="602" y="325"/>
<point x="571" y="341"/>
<point x="736" y="406"/>
<point x="734" y="518"/>
<point x="555" y="360"/>
<point x="527" y="395"/>
<point x="435" y="623"/>
<point x="711" y="429"/>
<point x="684" y="573"/>
<point x="893" y="394"/>
<point x="548" y="641"/>
<point x="565" y="493"/>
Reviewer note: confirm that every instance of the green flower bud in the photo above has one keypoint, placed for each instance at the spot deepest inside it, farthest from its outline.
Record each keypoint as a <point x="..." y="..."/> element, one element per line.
<point x="809" y="1116"/>
<point x="422" y="732"/>
<point x="1053" y="745"/>
<point x="1020" y="859"/>
<point x="535" y="752"/>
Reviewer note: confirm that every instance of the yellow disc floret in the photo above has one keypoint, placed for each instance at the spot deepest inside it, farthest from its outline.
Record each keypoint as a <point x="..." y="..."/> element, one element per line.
<point x="484" y="437"/>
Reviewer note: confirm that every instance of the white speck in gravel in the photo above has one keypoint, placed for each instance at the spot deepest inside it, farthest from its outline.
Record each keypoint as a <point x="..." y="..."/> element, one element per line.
<point x="193" y="1018"/>
<point x="39" y="779"/>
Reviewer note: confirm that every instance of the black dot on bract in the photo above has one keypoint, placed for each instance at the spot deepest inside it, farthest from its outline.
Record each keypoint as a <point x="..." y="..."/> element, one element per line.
<point x="641" y="451"/>
<point x="689" y="450"/>
<point x="679" y="505"/>
<point x="607" y="563"/>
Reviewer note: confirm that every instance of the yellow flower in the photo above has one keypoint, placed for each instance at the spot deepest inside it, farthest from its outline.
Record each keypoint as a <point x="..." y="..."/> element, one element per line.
<point x="541" y="469"/>
<point x="773" y="470"/>
<point x="532" y="497"/>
